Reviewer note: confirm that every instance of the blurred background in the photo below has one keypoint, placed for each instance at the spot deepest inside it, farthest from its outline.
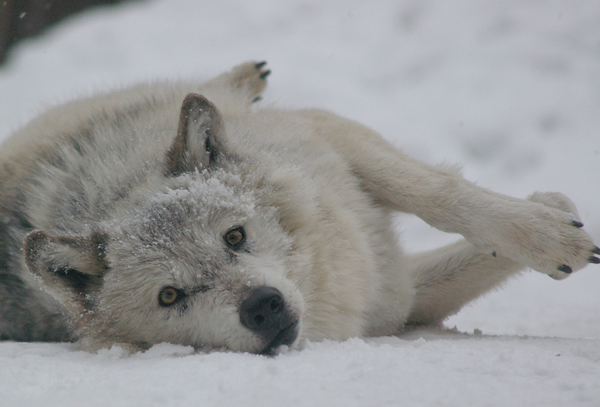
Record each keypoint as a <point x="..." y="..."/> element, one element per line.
<point x="26" y="18"/>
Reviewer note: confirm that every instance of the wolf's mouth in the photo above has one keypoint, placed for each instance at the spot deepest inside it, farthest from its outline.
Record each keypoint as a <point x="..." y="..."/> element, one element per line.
<point x="286" y="336"/>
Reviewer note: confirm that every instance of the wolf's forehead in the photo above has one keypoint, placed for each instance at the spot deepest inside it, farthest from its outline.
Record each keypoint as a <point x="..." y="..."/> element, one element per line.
<point x="205" y="203"/>
<point x="206" y="195"/>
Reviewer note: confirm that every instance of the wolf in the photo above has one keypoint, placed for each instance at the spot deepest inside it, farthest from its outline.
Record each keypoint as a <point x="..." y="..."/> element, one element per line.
<point x="182" y="213"/>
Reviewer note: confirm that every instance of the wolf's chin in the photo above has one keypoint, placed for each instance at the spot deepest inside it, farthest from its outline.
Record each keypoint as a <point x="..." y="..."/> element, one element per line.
<point x="287" y="336"/>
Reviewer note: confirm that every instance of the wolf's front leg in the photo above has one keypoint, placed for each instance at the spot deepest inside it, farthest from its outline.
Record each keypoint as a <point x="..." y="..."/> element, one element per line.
<point x="532" y="233"/>
<point x="249" y="80"/>
<point x="539" y="235"/>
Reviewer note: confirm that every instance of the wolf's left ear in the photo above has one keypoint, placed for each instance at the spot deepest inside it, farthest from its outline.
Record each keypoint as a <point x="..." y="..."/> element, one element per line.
<point x="199" y="137"/>
<point x="70" y="267"/>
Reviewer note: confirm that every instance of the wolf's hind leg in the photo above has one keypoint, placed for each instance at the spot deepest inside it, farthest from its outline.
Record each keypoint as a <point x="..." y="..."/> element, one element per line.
<point x="447" y="278"/>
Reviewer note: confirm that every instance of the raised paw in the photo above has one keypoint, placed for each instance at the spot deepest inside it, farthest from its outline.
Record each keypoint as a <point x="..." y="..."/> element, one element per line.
<point x="543" y="233"/>
<point x="250" y="77"/>
<point x="568" y="247"/>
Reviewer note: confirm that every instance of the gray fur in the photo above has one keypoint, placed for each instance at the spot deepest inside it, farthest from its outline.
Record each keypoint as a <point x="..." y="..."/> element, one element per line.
<point x="176" y="212"/>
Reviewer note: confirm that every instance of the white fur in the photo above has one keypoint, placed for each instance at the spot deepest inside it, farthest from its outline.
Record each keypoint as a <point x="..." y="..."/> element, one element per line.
<point x="315" y="193"/>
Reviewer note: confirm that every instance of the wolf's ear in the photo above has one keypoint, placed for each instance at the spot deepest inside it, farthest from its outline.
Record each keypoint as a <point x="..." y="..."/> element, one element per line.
<point x="199" y="137"/>
<point x="70" y="267"/>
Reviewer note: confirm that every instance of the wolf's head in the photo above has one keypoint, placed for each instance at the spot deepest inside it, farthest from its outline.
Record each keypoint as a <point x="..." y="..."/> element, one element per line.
<point x="199" y="258"/>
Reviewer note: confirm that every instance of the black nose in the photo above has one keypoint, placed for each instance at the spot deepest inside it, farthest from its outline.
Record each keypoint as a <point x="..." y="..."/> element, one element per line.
<point x="263" y="310"/>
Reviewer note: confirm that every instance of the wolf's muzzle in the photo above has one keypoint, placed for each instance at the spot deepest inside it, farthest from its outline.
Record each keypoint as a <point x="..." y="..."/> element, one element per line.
<point x="264" y="312"/>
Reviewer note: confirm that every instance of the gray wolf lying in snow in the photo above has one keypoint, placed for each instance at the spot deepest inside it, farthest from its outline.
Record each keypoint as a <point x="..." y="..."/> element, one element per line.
<point x="177" y="213"/>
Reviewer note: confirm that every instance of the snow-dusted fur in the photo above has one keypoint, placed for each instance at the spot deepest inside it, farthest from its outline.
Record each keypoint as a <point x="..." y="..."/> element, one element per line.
<point x="179" y="213"/>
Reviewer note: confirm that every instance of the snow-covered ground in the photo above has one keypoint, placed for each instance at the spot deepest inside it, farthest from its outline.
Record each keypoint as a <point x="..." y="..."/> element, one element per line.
<point x="509" y="89"/>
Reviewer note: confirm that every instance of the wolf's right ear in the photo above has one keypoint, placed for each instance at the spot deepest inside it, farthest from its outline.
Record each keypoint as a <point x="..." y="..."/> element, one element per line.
<point x="199" y="137"/>
<point x="72" y="268"/>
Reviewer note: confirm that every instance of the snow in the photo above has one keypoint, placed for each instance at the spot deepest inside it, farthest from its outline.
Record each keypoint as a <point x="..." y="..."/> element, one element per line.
<point x="380" y="372"/>
<point x="508" y="89"/>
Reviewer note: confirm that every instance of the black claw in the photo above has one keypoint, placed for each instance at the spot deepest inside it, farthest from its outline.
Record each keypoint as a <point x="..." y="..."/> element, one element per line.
<point x="596" y="250"/>
<point x="257" y="99"/>
<point x="594" y="260"/>
<point x="565" y="269"/>
<point x="265" y="74"/>
<point x="577" y="224"/>
<point x="260" y="64"/>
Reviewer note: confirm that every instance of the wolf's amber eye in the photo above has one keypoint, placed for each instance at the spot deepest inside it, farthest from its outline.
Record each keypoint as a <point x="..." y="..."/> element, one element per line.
<point x="235" y="237"/>
<point x="168" y="296"/>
